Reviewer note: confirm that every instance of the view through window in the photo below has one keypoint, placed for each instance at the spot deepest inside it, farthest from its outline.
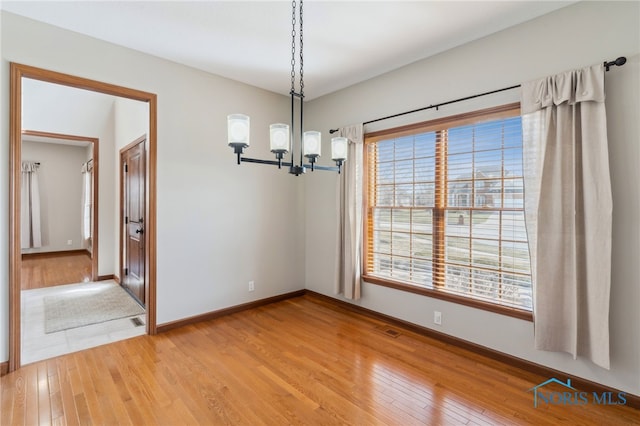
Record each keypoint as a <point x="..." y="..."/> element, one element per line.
<point x="445" y="208"/>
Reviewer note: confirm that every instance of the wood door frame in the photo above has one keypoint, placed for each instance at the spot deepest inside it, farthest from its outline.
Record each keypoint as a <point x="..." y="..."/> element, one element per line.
<point x="96" y="178"/>
<point x="121" y="229"/>
<point x="17" y="72"/>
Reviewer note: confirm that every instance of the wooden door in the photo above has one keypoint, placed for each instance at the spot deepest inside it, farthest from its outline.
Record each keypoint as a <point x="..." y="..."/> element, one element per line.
<point x="133" y="199"/>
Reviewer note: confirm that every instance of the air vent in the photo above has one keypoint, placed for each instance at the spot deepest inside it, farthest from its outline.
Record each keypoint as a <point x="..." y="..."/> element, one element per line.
<point x="137" y="321"/>
<point x="391" y="332"/>
<point x="388" y="331"/>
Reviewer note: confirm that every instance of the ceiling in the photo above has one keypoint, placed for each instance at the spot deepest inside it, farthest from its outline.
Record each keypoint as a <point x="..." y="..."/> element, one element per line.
<point x="345" y="42"/>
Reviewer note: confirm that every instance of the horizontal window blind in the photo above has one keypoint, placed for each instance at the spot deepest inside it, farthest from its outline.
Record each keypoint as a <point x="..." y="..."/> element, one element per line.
<point x="445" y="207"/>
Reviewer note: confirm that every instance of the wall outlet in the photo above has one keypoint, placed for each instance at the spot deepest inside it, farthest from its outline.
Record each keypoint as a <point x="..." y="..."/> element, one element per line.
<point x="252" y="285"/>
<point x="437" y="317"/>
<point x="69" y="242"/>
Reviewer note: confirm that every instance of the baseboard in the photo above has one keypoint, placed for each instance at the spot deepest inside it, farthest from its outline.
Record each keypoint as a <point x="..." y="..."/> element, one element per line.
<point x="161" y="328"/>
<point x="116" y="279"/>
<point x="106" y="277"/>
<point x="4" y="368"/>
<point x="579" y="382"/>
<point x="55" y="253"/>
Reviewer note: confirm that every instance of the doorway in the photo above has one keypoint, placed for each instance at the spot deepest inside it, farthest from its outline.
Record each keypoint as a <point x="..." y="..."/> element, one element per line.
<point x="68" y="171"/>
<point x="18" y="73"/>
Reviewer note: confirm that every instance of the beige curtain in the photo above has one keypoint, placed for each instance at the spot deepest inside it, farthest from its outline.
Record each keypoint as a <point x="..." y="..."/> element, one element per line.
<point x="87" y="202"/>
<point x="568" y="210"/>
<point x="30" y="233"/>
<point x="349" y="249"/>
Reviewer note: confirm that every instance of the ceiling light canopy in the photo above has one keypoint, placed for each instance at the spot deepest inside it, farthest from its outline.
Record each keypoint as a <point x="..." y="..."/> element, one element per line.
<point x="281" y="135"/>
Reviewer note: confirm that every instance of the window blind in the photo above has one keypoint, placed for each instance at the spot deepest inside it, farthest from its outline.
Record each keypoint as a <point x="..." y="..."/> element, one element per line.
<point x="445" y="207"/>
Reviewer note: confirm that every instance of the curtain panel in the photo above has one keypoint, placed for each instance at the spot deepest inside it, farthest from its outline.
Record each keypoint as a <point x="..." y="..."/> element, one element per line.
<point x="30" y="232"/>
<point x="87" y="202"/>
<point x="349" y="239"/>
<point x="568" y="210"/>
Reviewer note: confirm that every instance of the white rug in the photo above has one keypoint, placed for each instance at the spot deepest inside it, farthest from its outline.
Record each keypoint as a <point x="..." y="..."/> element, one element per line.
<point x="88" y="306"/>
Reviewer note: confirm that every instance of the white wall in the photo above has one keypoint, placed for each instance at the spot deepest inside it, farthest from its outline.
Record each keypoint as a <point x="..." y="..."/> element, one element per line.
<point x="573" y="37"/>
<point x="60" y="184"/>
<point x="131" y="121"/>
<point x="61" y="109"/>
<point x="219" y="224"/>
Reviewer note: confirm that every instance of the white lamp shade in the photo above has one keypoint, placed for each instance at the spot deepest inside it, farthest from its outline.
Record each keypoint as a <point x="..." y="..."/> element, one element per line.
<point x="312" y="143"/>
<point x="238" y="129"/>
<point x="279" y="137"/>
<point x="339" y="148"/>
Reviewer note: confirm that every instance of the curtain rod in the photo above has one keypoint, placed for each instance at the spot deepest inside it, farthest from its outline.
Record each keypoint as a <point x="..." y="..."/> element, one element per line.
<point x="607" y="64"/>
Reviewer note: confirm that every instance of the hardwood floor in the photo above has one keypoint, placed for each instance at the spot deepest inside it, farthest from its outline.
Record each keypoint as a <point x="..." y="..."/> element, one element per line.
<point x="300" y="361"/>
<point x="58" y="268"/>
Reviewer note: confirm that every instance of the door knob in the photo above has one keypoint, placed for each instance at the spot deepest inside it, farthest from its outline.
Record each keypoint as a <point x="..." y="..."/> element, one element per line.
<point x="139" y="231"/>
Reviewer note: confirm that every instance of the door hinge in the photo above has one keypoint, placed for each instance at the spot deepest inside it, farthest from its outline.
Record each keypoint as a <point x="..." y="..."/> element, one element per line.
<point x="126" y="220"/>
<point x="126" y="168"/>
<point x="126" y="271"/>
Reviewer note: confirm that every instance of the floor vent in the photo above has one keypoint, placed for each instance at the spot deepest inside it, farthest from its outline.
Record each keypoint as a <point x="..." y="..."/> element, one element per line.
<point x="137" y="321"/>
<point x="387" y="331"/>
<point x="391" y="332"/>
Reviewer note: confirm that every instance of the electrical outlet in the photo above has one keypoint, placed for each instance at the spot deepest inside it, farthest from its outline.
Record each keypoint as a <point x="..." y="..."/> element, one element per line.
<point x="252" y="285"/>
<point x="69" y="242"/>
<point x="437" y="317"/>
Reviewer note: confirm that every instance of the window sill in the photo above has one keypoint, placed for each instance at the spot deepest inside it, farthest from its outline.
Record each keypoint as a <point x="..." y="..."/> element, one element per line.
<point x="478" y="304"/>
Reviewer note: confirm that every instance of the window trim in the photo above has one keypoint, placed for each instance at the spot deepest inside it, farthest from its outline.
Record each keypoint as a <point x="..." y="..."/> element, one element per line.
<point x="450" y="297"/>
<point x="487" y="114"/>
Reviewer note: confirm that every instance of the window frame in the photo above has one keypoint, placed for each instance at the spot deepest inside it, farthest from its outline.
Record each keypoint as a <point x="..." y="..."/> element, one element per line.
<point x="436" y="125"/>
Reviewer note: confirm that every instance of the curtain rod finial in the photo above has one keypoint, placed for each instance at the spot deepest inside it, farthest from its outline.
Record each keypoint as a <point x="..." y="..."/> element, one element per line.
<point x="618" y="62"/>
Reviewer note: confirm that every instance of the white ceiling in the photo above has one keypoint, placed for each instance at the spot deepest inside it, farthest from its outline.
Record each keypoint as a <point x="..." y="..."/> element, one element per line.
<point x="345" y="42"/>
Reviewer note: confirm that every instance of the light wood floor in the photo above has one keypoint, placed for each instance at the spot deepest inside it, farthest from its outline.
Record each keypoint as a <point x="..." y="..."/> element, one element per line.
<point x="301" y="361"/>
<point x="55" y="269"/>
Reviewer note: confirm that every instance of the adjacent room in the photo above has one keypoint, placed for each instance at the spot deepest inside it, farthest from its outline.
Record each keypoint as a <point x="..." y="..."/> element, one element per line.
<point x="315" y="212"/>
<point x="69" y="237"/>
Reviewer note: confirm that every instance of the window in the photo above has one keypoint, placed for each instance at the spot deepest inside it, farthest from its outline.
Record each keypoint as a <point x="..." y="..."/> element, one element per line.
<point x="445" y="210"/>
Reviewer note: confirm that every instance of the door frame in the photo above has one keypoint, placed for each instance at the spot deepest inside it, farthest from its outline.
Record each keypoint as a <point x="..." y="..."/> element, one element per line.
<point x="95" y="185"/>
<point x="17" y="72"/>
<point x="122" y="228"/>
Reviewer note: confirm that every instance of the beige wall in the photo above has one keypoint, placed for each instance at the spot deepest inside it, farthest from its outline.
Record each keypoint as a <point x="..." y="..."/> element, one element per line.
<point x="579" y="35"/>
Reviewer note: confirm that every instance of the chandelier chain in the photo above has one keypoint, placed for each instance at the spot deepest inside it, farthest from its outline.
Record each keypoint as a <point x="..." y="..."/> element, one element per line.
<point x="238" y="124"/>
<point x="301" y="56"/>
<point x="293" y="46"/>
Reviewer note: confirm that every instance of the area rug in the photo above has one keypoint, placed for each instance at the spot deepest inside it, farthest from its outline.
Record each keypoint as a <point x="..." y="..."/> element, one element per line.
<point x="92" y="305"/>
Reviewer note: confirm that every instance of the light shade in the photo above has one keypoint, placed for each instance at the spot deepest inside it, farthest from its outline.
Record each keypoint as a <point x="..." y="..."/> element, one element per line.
<point x="312" y="143"/>
<point x="339" y="148"/>
<point x="279" y="138"/>
<point x="238" y="130"/>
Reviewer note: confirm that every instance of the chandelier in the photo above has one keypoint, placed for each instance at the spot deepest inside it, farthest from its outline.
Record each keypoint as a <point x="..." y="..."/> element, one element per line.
<point x="281" y="135"/>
